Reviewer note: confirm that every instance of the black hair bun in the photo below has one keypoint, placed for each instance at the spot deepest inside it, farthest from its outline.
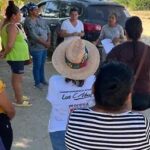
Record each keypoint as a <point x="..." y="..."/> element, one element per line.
<point x="113" y="85"/>
<point x="11" y="3"/>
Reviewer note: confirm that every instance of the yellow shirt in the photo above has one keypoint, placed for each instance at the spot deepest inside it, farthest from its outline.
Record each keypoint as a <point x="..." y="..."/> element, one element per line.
<point x="2" y="87"/>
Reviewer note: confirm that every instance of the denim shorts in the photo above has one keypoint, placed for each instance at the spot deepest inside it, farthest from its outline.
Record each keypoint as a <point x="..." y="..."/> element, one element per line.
<point x="58" y="140"/>
<point x="16" y="66"/>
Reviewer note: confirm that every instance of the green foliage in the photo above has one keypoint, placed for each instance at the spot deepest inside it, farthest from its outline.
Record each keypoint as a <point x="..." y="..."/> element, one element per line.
<point x="123" y="2"/>
<point x="140" y="4"/>
<point x="19" y="2"/>
<point x="136" y="4"/>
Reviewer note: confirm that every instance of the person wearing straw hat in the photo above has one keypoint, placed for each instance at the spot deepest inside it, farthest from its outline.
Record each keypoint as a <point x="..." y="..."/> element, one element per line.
<point x="76" y="60"/>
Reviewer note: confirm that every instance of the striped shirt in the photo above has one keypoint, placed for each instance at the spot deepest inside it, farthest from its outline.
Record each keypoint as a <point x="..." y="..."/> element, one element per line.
<point x="89" y="130"/>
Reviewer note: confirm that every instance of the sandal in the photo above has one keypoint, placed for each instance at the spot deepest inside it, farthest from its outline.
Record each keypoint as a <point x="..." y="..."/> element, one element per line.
<point x="25" y="98"/>
<point x="24" y="104"/>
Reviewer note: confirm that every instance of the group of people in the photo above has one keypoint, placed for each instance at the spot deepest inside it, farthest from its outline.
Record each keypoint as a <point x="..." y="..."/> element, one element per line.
<point x="98" y="109"/>
<point x="94" y="106"/>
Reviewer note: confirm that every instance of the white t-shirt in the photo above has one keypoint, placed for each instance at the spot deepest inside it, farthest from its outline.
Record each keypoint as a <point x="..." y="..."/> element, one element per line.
<point x="65" y="97"/>
<point x="67" y="25"/>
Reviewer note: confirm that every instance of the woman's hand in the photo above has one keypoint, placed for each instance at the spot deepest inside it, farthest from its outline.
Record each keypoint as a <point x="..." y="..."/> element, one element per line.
<point x="2" y="54"/>
<point x="47" y="44"/>
<point x="116" y="40"/>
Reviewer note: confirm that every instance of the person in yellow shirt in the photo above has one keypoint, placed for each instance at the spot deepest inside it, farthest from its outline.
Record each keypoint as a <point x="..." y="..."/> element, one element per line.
<point x="15" y="50"/>
<point x="7" y="112"/>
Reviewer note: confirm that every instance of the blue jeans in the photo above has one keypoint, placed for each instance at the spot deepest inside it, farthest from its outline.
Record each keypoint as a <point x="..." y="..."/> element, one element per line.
<point x="38" y="58"/>
<point x="58" y="140"/>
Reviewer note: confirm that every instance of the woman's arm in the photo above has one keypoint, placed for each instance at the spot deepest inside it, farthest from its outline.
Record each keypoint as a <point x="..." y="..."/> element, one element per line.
<point x="48" y="42"/>
<point x="102" y="34"/>
<point x="6" y="105"/>
<point x="12" y="33"/>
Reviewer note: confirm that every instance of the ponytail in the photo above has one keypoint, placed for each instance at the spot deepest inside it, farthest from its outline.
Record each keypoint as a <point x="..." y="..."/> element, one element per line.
<point x="11" y="9"/>
<point x="11" y="3"/>
<point x="133" y="27"/>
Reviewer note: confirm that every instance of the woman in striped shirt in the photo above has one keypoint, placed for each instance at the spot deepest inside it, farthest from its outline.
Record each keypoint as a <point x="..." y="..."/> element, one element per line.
<point x="110" y="124"/>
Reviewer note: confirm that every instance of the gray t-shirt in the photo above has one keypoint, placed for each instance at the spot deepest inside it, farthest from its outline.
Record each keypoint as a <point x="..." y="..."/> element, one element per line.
<point x="112" y="32"/>
<point x="36" y="29"/>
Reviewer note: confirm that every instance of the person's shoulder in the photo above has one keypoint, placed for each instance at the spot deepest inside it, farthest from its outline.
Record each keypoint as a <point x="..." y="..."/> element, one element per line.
<point x="65" y="21"/>
<point x="91" y="78"/>
<point x="116" y="49"/>
<point x="11" y="26"/>
<point x="140" y="117"/>
<point x="89" y="81"/>
<point x="148" y="47"/>
<point x="143" y="44"/>
<point x="40" y="19"/>
<point x="27" y="19"/>
<point x="119" y="26"/>
<point x="105" y="26"/>
<point x="56" y="78"/>
<point x="81" y="111"/>
<point x="121" y="46"/>
<point x="137" y="115"/>
<point x="113" y="54"/>
<point x="80" y="21"/>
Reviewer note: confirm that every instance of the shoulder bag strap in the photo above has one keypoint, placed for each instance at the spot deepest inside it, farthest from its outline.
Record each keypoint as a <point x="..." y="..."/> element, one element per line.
<point x="140" y="64"/>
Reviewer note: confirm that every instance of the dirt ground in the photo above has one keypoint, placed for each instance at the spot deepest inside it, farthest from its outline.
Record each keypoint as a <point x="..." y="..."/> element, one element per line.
<point x="30" y="125"/>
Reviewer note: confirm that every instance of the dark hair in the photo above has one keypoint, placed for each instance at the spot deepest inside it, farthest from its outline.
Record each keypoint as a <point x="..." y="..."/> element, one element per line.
<point x="112" y="86"/>
<point x="11" y="9"/>
<point x="78" y="83"/>
<point x="133" y="27"/>
<point x="31" y="6"/>
<point x="74" y="9"/>
<point x="113" y="14"/>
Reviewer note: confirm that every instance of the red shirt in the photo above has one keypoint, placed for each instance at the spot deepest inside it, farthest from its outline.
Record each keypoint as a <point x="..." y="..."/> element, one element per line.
<point x="126" y="53"/>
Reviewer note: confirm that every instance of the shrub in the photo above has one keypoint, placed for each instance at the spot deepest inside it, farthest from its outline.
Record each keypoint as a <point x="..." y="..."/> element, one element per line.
<point x="136" y="4"/>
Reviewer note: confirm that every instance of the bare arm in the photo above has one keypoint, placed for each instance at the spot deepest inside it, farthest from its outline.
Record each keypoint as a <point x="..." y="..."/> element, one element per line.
<point x="6" y="105"/>
<point x="81" y="34"/>
<point x="48" y="42"/>
<point x="12" y="33"/>
<point x="102" y="34"/>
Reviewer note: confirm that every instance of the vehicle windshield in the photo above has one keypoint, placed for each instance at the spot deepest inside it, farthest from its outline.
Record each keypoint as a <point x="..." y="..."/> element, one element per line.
<point x="100" y="13"/>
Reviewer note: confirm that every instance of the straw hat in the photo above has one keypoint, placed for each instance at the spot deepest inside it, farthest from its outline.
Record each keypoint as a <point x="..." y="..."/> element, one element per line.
<point x="76" y="59"/>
